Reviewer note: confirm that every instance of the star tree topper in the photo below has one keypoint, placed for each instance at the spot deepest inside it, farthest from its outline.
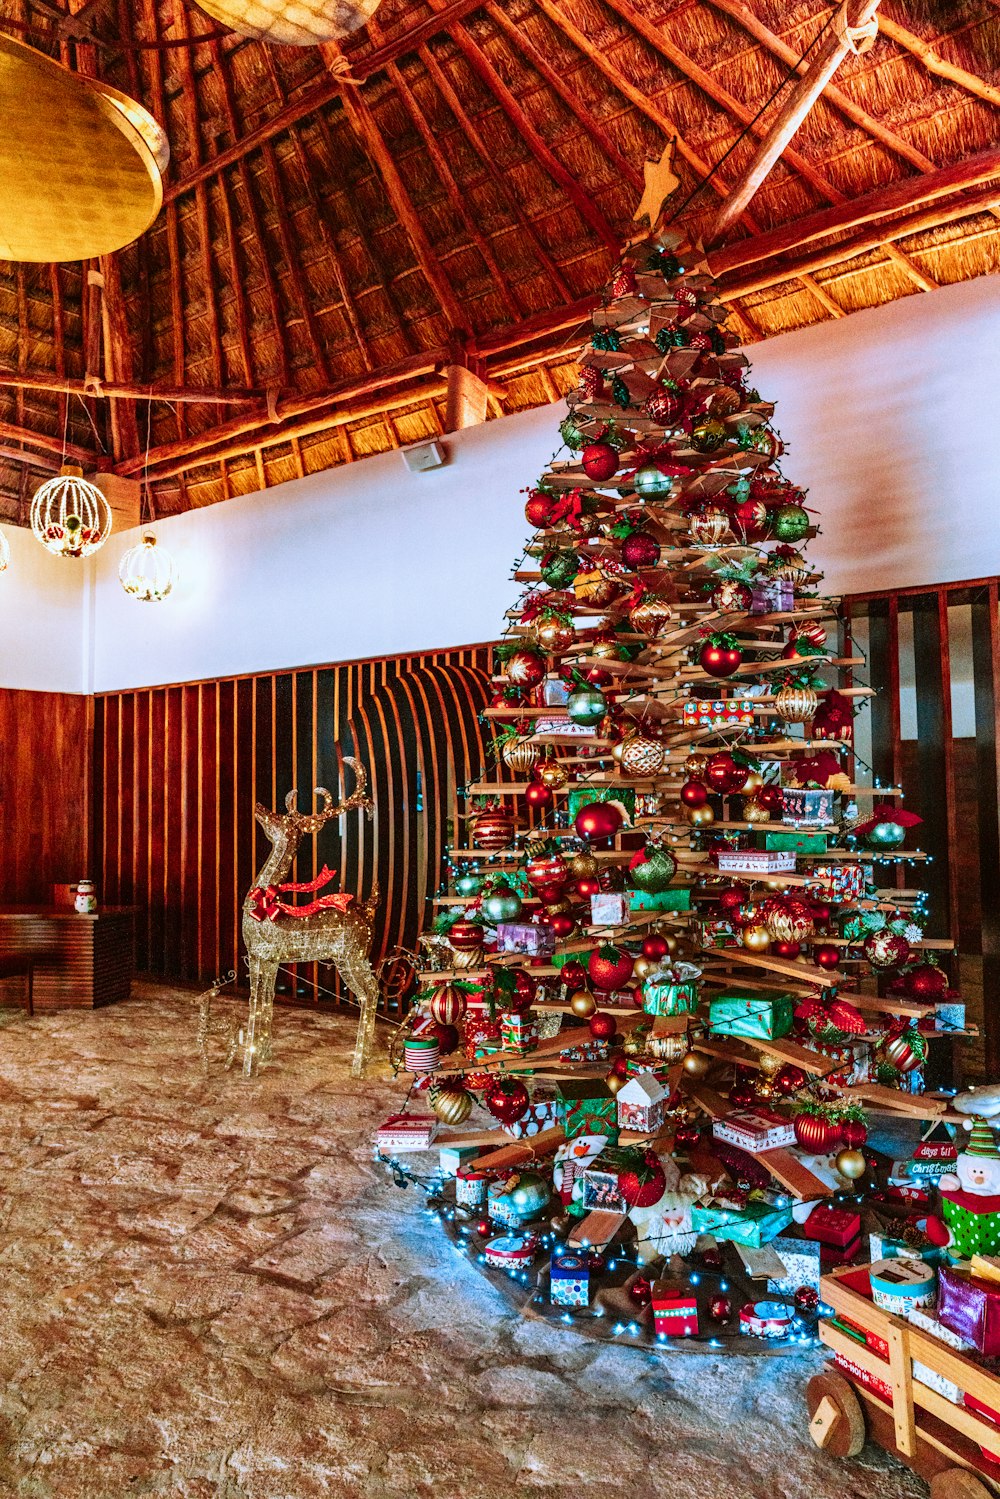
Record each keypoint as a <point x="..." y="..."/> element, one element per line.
<point x="661" y="181"/>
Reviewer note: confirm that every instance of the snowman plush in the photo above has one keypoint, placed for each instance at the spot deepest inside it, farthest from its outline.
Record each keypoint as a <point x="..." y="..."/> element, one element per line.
<point x="970" y="1199"/>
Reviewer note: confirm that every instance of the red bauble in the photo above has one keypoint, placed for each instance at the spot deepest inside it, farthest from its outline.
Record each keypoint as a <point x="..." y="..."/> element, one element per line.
<point x="644" y="1185"/>
<point x="639" y="550"/>
<point x="719" y="660"/>
<point x="814" y="1133"/>
<point x="725" y="774"/>
<point x="926" y="981"/>
<point x="732" y="897"/>
<point x="687" y="1134"/>
<point x="598" y="676"/>
<point x="547" y="871"/>
<point x="539" y="508"/>
<point x="447" y="1038"/>
<point x="720" y="1308"/>
<point x="526" y="668"/>
<point x="561" y="924"/>
<point x="640" y="1292"/>
<point x="655" y="947"/>
<point x="789" y="1078"/>
<point x="465" y="936"/>
<point x="620" y="1066"/>
<point x="610" y="967"/>
<point x="588" y="886"/>
<point x="751" y="519"/>
<point x="507" y="1099"/>
<point x="825" y="955"/>
<point x="694" y="793"/>
<point x="538" y="795"/>
<point x="786" y="949"/>
<point x="523" y="996"/>
<point x="600" y="461"/>
<point x="711" y="1258"/>
<point x="598" y="820"/>
<point x="806" y="1299"/>
<point x="770" y="798"/>
<point x="886" y="949"/>
<point x="602" y="1025"/>
<point x="854" y="1133"/>
<point x="742" y="1095"/>
<point x="573" y="975"/>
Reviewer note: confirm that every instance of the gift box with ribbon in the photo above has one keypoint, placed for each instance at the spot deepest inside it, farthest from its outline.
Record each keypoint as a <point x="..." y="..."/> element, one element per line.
<point x="587" y="1106"/>
<point x="970" y="1306"/>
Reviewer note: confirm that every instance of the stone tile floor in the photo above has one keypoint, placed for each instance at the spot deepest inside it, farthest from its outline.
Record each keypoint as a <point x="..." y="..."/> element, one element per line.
<point x="209" y="1290"/>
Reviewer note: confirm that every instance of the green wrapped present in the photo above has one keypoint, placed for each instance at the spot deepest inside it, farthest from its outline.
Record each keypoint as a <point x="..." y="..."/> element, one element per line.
<point x="674" y="994"/>
<point x="665" y="900"/>
<point x="791" y="842"/>
<point x="583" y="796"/>
<point x="764" y="1015"/>
<point x="586" y="1106"/>
<point x="754" y="1225"/>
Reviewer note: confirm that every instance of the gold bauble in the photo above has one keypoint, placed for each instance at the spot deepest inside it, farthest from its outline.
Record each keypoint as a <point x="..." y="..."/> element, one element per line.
<point x="519" y="755"/>
<point x="696" y="1064"/>
<point x="796" y="704"/>
<point x="616" y="752"/>
<point x="792" y="569"/>
<point x="700" y="817"/>
<point x="770" y="1065"/>
<point x="552" y="774"/>
<point x="554" y="635"/>
<point x="450" y="1102"/>
<point x="651" y="617"/>
<point x="670" y="1048"/>
<point x="607" y="649"/>
<point x="614" y="1082"/>
<point x="292" y="23"/>
<point x="471" y="958"/>
<point x="709" y="527"/>
<point x="695" y="765"/>
<point x="642" y="756"/>
<point x="851" y="1163"/>
<point x="754" y="812"/>
<point x="765" y="1090"/>
<point x="724" y="402"/>
<point x="756" y="938"/>
<point x="643" y="967"/>
<point x="583" y="866"/>
<point x="752" y="784"/>
<point x="672" y="943"/>
<point x="583" y="1004"/>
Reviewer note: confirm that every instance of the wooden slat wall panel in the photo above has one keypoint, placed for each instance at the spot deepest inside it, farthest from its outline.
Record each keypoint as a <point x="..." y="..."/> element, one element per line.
<point x="178" y="769"/>
<point x="45" y="788"/>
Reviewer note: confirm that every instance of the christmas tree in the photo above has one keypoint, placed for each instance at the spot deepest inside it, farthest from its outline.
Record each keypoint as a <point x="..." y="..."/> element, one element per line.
<point x="664" y="961"/>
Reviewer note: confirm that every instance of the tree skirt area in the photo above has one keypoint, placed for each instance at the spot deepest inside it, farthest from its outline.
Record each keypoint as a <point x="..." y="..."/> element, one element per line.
<point x="211" y="1289"/>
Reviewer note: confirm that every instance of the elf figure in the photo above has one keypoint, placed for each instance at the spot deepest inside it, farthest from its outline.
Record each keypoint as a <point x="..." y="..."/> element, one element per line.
<point x="970" y="1199"/>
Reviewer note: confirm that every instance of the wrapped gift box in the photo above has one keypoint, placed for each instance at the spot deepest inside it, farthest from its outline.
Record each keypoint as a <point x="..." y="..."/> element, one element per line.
<point x="949" y="1017"/>
<point x="610" y="908"/>
<point x="772" y="596"/>
<point x="540" y="1115"/>
<point x="582" y="797"/>
<point x="755" y="861"/>
<point x="525" y="937"/>
<point x="569" y="1278"/>
<point x="765" y="1015"/>
<point x="928" y="1321"/>
<point x="641" y="1102"/>
<point x="403" y="1132"/>
<point x="791" y="842"/>
<point x="766" y="1319"/>
<point x="555" y="692"/>
<point x="662" y="900"/>
<point x="806" y="807"/>
<point x="676" y="994"/>
<point x="840" y="884"/>
<point x="587" y="1106"/>
<point x="899" y="1285"/>
<point x="719" y="933"/>
<point x="519" y="1032"/>
<point x="718" y="713"/>
<point x="591" y="1050"/>
<point x="471" y="1186"/>
<point x="675" y="1310"/>
<point x="801" y="1259"/>
<point x="852" y="1062"/>
<point x="754" y="1130"/>
<point x="510" y="1251"/>
<point x="887" y="1246"/>
<point x="601" y="1191"/>
<point x="755" y="1224"/>
<point x="838" y="1233"/>
<point x="970" y="1307"/>
<point x="451" y="1157"/>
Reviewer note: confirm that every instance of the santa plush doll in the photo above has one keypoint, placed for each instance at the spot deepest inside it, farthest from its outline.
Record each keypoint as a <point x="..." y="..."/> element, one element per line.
<point x="970" y="1199"/>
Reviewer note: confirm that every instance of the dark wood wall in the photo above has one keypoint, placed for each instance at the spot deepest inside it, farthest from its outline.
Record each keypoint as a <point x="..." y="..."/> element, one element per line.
<point x="177" y="771"/>
<point x="45" y="793"/>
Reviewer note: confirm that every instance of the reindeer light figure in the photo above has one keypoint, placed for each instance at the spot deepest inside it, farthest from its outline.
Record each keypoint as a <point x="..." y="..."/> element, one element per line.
<point x="332" y="929"/>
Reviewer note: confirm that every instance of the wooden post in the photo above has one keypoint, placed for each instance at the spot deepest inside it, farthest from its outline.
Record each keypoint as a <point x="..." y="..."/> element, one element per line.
<point x="854" y="16"/>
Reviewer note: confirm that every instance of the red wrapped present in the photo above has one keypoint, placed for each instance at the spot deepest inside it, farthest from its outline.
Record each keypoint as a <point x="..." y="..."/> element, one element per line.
<point x="970" y="1307"/>
<point x="675" y="1309"/>
<point x="837" y="1227"/>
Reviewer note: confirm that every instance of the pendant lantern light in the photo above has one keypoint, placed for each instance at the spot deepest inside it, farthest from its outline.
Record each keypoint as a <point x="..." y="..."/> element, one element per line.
<point x="69" y="516"/>
<point x="147" y="571"/>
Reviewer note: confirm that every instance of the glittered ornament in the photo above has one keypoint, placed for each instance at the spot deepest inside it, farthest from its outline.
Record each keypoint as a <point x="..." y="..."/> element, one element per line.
<point x="710" y="526"/>
<point x="731" y="597"/>
<point x="795" y="704"/>
<point x="610" y="967"/>
<point x="639" y="550"/>
<point x="642" y="756"/>
<point x="708" y="436"/>
<point x="600" y="461"/>
<point x="558" y="569"/>
<point x="641" y="1179"/>
<point x="447" y="1004"/>
<point x="493" y="829"/>
<point x="465" y="936"/>
<point x="507" y="1099"/>
<point x="519" y="754"/>
<point x="602" y="1025"/>
<point x="651" y="617"/>
<point x="886" y="948"/>
<point x="651" y="869"/>
<point x="805" y="1299"/>
<point x="662" y="406"/>
<point x="525" y="668"/>
<point x="451" y="1102"/>
<point x="790" y="523"/>
<point x="650" y="482"/>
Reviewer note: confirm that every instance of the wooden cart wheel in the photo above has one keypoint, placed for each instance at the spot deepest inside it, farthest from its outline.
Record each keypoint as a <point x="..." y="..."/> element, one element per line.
<point x="958" y="1483"/>
<point x="836" y="1420"/>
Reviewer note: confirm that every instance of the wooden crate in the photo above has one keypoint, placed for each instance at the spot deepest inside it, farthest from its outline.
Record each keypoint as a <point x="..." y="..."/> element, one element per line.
<point x="916" y="1423"/>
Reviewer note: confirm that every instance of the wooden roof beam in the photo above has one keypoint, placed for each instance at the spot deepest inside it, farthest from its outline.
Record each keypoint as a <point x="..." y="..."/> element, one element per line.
<point x="369" y="137"/>
<point x="827" y="59"/>
<point x="130" y="391"/>
<point x="50" y="443"/>
<point x="938" y="65"/>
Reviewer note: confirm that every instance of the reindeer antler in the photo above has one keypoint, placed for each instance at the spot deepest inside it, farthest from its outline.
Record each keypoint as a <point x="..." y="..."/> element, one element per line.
<point x="359" y="797"/>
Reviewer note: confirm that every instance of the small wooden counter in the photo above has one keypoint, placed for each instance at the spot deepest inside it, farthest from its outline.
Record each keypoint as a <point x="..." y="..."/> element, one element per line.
<point x="80" y="962"/>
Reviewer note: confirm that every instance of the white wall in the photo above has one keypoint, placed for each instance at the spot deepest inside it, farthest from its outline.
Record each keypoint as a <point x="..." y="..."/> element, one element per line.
<point x="888" y="416"/>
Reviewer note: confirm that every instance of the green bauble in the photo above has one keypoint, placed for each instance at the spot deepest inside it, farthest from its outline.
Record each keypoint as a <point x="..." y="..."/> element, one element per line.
<point x="586" y="705"/>
<point x="529" y="1194"/>
<point x="559" y="568"/>
<point x="468" y="884"/>
<point x="886" y="835"/>
<point x="790" y="523"/>
<point x="571" y="434"/>
<point x="654" y="874"/>
<point x="649" y="481"/>
<point x="709" y="435"/>
<point x="501" y="904"/>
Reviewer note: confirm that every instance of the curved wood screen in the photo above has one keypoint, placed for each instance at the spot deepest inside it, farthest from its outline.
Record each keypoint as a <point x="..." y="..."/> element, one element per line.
<point x="178" y="769"/>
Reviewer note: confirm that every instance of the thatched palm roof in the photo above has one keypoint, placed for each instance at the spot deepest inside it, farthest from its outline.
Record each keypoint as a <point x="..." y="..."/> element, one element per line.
<point x="450" y="186"/>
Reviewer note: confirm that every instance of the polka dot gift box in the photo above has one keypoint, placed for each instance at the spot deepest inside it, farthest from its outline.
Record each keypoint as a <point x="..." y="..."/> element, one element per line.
<point x="970" y="1199"/>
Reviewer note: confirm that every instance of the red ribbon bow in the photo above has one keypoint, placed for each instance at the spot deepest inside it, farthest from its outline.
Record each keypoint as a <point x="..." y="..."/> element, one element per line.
<point x="265" y="904"/>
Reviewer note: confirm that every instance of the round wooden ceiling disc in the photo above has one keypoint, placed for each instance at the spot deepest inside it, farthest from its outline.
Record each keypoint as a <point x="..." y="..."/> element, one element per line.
<point x="292" y="23"/>
<point x="80" y="163"/>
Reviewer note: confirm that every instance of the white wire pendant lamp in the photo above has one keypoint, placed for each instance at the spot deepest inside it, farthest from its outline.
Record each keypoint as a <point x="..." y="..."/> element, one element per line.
<point x="69" y="515"/>
<point x="147" y="571"/>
